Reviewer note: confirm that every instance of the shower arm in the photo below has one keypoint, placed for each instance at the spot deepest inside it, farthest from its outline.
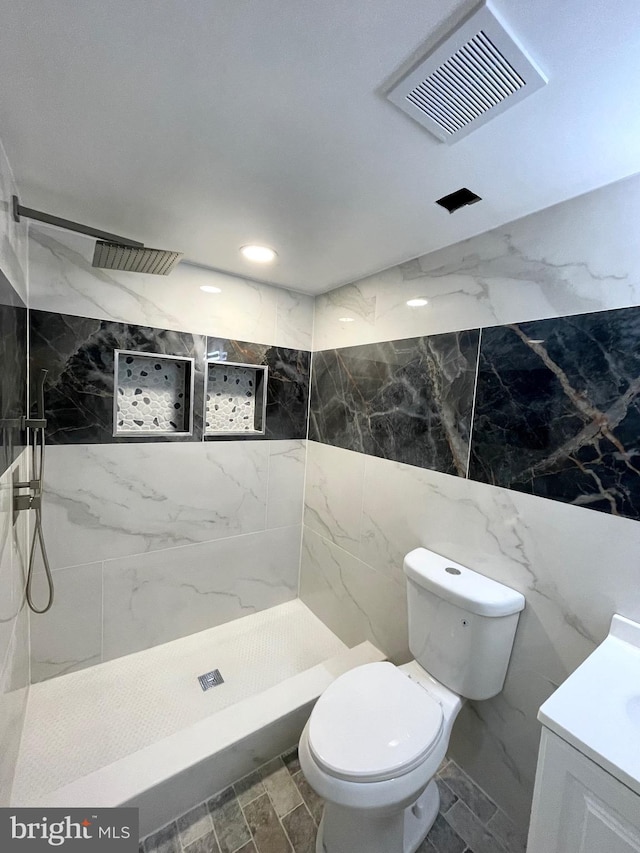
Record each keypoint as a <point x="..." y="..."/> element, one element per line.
<point x="19" y="210"/>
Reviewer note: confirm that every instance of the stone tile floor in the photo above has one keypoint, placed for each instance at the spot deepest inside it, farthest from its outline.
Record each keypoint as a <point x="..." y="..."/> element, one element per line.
<point x="274" y="810"/>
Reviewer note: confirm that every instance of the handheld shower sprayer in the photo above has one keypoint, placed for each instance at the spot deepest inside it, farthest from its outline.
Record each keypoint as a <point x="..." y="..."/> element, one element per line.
<point x="33" y="501"/>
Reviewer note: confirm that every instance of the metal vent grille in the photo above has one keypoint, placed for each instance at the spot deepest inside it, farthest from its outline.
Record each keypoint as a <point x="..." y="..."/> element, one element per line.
<point x="477" y="72"/>
<point x="112" y="256"/>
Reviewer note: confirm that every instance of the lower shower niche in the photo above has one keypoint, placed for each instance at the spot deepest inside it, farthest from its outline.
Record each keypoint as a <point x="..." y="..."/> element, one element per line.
<point x="154" y="394"/>
<point x="236" y="399"/>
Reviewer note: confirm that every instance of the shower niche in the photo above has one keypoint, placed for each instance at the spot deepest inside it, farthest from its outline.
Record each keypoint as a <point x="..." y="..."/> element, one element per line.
<point x="235" y="399"/>
<point x="154" y="394"/>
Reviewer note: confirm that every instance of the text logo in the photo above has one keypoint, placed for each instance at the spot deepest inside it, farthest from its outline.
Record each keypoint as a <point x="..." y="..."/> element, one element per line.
<point x="73" y="830"/>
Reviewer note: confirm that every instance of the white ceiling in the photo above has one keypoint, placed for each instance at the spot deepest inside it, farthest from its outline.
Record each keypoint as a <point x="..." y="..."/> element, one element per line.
<point x="202" y="125"/>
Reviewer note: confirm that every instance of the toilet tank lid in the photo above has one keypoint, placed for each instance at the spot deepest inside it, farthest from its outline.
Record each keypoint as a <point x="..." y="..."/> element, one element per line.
<point x="461" y="586"/>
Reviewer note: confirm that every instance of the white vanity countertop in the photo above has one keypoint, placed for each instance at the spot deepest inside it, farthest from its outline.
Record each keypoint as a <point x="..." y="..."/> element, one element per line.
<point x="597" y="709"/>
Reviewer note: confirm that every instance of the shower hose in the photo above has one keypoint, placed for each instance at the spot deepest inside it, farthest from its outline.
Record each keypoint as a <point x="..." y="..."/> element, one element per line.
<point x="37" y="467"/>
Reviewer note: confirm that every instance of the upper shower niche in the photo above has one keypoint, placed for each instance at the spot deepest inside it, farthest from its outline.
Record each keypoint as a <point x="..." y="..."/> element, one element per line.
<point x="154" y="394"/>
<point x="235" y="399"/>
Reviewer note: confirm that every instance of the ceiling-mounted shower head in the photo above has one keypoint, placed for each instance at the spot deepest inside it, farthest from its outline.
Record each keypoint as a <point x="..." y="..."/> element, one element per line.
<point x="111" y="252"/>
<point x="113" y="256"/>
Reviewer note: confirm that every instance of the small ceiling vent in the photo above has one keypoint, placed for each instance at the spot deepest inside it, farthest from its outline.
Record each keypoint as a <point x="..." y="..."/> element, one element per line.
<point x="476" y="73"/>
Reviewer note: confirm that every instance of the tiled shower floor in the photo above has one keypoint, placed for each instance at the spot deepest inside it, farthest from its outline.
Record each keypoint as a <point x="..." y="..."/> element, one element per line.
<point x="274" y="810"/>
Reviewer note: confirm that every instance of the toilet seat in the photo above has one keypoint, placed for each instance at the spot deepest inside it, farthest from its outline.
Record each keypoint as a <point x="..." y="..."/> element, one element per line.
<point x="372" y="724"/>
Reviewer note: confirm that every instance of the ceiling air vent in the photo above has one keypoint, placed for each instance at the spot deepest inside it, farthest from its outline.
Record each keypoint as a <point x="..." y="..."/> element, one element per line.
<point x="477" y="72"/>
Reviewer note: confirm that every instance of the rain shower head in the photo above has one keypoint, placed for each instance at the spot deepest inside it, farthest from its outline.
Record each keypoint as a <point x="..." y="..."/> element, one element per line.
<point x="111" y="252"/>
<point x="114" y="256"/>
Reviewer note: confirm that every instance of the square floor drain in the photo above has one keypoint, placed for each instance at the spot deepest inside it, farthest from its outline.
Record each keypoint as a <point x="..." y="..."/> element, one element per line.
<point x="210" y="679"/>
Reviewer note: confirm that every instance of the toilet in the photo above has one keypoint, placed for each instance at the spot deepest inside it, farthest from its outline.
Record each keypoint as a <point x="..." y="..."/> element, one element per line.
<point x="377" y="735"/>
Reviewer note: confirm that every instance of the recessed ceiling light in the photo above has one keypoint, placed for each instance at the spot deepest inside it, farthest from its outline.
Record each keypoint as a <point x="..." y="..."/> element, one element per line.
<point x="209" y="288"/>
<point x="258" y="254"/>
<point x="417" y="303"/>
<point x="345" y="319"/>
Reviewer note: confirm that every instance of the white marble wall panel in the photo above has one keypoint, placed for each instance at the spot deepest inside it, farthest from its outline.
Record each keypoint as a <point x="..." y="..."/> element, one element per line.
<point x="14" y="628"/>
<point x="334" y="494"/>
<point x="286" y="482"/>
<point x="113" y="500"/>
<point x="351" y="598"/>
<point x="13" y="235"/>
<point x="14" y="691"/>
<point x="153" y="598"/>
<point x="62" y="279"/>
<point x="579" y="256"/>
<point x="575" y="568"/>
<point x="294" y="320"/>
<point x="69" y="636"/>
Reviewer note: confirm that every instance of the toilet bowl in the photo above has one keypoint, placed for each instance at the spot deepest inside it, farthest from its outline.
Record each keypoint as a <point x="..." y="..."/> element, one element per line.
<point x="377" y="735"/>
<point x="371" y="748"/>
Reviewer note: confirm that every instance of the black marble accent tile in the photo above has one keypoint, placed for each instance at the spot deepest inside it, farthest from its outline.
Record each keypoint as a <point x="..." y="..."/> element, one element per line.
<point x="558" y="410"/>
<point x="78" y="352"/>
<point x="408" y="400"/>
<point x="13" y="373"/>
<point x="287" y="384"/>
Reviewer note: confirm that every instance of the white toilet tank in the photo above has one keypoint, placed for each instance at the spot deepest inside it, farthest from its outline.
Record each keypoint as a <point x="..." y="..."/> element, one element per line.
<point x="461" y="623"/>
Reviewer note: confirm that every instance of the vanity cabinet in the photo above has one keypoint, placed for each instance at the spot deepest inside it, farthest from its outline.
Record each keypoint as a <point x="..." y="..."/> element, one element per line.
<point x="587" y="791"/>
<point x="578" y="807"/>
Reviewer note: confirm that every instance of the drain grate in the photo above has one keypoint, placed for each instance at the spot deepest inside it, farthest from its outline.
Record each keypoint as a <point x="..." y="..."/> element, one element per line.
<point x="210" y="679"/>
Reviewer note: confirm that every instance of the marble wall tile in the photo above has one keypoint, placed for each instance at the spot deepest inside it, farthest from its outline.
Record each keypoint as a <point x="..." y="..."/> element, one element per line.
<point x="579" y="256"/>
<point x="11" y="573"/>
<point x="62" y="279"/>
<point x="294" y="320"/>
<point x="157" y="597"/>
<point x="558" y="410"/>
<point x="105" y="501"/>
<point x="346" y="316"/>
<point x="285" y="494"/>
<point x="13" y="235"/>
<point x="79" y="388"/>
<point x="14" y="691"/>
<point x="14" y="629"/>
<point x="408" y="400"/>
<point x="351" y="598"/>
<point x="334" y="492"/>
<point x="575" y="569"/>
<point x="287" y="384"/>
<point x="69" y="637"/>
